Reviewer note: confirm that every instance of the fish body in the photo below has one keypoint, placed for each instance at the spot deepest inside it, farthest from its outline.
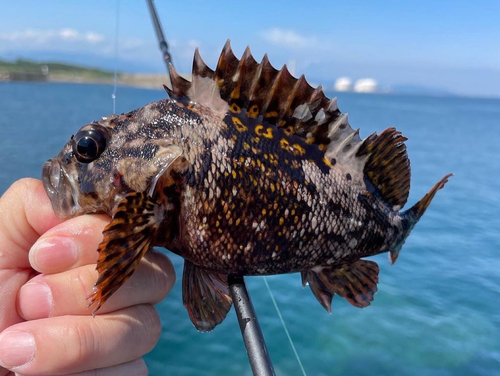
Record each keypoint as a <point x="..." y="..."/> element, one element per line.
<point x="245" y="170"/>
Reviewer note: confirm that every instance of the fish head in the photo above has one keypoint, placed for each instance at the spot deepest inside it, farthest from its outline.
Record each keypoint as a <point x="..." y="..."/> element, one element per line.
<point x="107" y="159"/>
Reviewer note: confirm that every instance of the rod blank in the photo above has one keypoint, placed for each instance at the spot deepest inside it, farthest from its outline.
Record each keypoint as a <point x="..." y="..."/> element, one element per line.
<point x="159" y="34"/>
<point x="250" y="329"/>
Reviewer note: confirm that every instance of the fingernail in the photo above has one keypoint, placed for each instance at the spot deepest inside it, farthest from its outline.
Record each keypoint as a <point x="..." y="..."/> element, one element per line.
<point x="16" y="348"/>
<point x="49" y="253"/>
<point x="35" y="300"/>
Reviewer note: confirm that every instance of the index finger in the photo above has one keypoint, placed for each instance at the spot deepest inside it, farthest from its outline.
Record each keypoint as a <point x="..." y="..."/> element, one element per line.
<point x="68" y="245"/>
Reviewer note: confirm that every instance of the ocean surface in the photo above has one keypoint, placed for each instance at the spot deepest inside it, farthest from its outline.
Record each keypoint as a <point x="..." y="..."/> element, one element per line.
<point x="437" y="310"/>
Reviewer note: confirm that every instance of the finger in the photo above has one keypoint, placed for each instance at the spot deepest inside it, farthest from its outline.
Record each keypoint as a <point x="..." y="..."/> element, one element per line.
<point x="84" y="342"/>
<point x="134" y="368"/>
<point x="26" y="213"/>
<point x="70" y="244"/>
<point x="66" y="293"/>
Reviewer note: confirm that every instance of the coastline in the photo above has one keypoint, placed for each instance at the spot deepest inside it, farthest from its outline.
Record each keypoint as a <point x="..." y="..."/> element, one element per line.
<point x="156" y="82"/>
<point x="146" y="81"/>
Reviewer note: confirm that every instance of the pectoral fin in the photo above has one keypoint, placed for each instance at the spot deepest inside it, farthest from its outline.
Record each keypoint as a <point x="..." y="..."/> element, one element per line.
<point x="356" y="282"/>
<point x="205" y="296"/>
<point x="126" y="239"/>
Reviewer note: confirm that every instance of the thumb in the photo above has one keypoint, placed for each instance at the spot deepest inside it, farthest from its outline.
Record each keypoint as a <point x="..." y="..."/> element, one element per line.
<point x="25" y="214"/>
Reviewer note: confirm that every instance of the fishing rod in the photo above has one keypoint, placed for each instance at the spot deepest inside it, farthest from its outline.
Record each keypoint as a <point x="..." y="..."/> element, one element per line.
<point x="255" y="344"/>
<point x="167" y="57"/>
<point x="259" y="358"/>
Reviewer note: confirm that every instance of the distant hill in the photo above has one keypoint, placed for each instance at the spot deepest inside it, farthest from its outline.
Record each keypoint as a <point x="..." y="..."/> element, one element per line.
<point x="52" y="71"/>
<point x="27" y="70"/>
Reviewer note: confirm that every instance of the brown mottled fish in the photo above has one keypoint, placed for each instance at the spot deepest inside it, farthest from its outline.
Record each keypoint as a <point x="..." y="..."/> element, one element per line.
<point x="245" y="170"/>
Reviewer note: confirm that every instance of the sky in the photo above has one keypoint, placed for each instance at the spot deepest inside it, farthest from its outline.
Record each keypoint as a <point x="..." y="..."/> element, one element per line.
<point x="440" y="46"/>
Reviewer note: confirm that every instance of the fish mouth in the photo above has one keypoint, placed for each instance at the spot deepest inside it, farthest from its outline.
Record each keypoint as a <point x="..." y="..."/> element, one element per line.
<point x="61" y="189"/>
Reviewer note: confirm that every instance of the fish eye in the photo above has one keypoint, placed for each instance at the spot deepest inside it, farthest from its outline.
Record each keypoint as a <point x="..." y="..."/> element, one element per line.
<point x="89" y="143"/>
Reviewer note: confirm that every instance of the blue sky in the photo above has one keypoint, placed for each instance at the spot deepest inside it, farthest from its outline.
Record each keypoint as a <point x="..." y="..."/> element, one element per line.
<point x="452" y="46"/>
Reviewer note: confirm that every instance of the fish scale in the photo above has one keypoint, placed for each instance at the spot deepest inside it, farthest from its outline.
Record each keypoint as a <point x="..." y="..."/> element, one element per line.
<point x="245" y="170"/>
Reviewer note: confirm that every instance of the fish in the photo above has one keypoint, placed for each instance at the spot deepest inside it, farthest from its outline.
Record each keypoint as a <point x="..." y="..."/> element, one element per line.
<point x="244" y="170"/>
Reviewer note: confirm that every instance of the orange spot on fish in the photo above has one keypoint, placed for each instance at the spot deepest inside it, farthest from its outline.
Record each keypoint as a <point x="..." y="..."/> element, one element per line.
<point x="310" y="140"/>
<point x="239" y="125"/>
<point x="298" y="150"/>
<point x="259" y="129"/>
<point x="271" y="114"/>
<point x="284" y="144"/>
<point x="235" y="108"/>
<point x="253" y="112"/>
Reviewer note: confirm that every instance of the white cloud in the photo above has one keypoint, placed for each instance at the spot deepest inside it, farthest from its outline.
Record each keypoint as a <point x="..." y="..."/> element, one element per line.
<point x="94" y="37"/>
<point x="68" y="34"/>
<point x="42" y="37"/>
<point x="289" y="38"/>
<point x="130" y="43"/>
<point x="69" y="40"/>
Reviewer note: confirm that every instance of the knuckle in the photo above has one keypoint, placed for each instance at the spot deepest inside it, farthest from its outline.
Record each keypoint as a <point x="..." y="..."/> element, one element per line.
<point x="23" y="189"/>
<point x="17" y="189"/>
<point x="163" y="274"/>
<point x="82" y="342"/>
<point x="138" y="367"/>
<point x="23" y="185"/>
<point x="151" y="325"/>
<point x="142" y="369"/>
<point x="83" y="282"/>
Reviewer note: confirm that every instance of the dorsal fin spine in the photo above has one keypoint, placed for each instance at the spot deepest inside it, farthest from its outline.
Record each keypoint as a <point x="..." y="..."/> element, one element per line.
<point x="180" y="86"/>
<point x="255" y="80"/>
<point x="271" y="94"/>
<point x="333" y="105"/>
<point x="348" y="140"/>
<point x="317" y="95"/>
<point x="226" y="67"/>
<point x="342" y="120"/>
<point x="321" y="117"/>
<point x="239" y="77"/>
<point x="169" y="92"/>
<point x="288" y="103"/>
<point x="201" y="73"/>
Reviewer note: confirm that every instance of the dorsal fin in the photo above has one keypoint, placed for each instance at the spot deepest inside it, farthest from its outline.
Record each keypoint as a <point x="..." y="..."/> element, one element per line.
<point x="388" y="166"/>
<point x="258" y="90"/>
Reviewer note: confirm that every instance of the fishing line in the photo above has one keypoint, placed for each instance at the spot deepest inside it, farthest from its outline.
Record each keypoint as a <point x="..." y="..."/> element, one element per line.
<point x="115" y="77"/>
<point x="284" y="327"/>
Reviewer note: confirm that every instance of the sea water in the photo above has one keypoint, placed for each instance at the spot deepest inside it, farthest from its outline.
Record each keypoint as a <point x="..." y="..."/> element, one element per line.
<point x="437" y="310"/>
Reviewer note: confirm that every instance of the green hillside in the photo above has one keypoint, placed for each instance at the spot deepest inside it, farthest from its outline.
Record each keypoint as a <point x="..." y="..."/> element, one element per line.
<point x="55" y="70"/>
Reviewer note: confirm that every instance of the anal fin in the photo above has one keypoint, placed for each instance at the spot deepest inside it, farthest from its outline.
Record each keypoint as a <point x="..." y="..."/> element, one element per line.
<point x="356" y="282"/>
<point x="206" y="296"/>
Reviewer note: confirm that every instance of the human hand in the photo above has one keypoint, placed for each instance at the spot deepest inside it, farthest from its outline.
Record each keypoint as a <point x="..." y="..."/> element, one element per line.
<point x="47" y="270"/>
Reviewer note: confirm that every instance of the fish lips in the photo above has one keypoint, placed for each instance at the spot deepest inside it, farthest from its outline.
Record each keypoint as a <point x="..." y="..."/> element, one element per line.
<point x="62" y="191"/>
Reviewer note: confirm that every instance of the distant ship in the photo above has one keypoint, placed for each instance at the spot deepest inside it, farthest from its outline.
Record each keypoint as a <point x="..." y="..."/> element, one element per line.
<point x="365" y="85"/>
<point x="343" y="84"/>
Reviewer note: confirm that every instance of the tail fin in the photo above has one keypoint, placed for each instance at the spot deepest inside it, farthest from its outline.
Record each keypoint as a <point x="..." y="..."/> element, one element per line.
<point x="417" y="210"/>
<point x="411" y="216"/>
